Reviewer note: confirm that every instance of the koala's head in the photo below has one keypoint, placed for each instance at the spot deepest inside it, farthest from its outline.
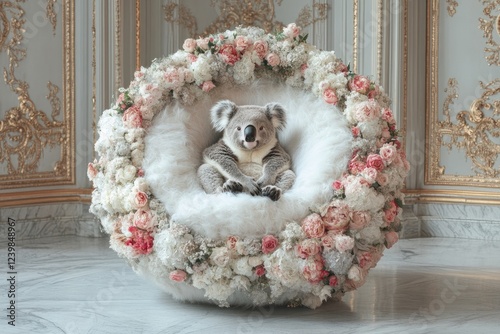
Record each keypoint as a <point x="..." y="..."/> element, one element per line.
<point x="248" y="127"/>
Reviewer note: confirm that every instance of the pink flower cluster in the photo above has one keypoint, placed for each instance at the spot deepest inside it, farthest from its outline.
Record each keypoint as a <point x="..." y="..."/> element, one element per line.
<point x="141" y="241"/>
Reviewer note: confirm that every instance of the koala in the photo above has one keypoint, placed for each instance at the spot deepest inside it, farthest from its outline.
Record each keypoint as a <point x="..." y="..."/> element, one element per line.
<point x="248" y="157"/>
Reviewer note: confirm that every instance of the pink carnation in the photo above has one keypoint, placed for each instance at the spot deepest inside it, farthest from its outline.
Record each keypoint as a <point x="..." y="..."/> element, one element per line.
<point x="388" y="116"/>
<point x="313" y="270"/>
<point x="313" y="226"/>
<point x="355" y="131"/>
<point x="388" y="152"/>
<point x="178" y="275"/>
<point x="231" y="242"/>
<point x="229" y="54"/>
<point x="141" y="241"/>
<point x="366" y="111"/>
<point x="337" y="185"/>
<point x="269" y="244"/>
<point x="242" y="43"/>
<point x="333" y="281"/>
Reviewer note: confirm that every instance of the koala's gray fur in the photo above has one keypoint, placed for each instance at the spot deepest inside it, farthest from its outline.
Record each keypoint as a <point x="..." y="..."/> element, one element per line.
<point x="248" y="158"/>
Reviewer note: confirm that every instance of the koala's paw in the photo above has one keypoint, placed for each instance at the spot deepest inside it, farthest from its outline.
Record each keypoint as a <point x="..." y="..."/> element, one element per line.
<point x="232" y="187"/>
<point x="253" y="188"/>
<point x="272" y="192"/>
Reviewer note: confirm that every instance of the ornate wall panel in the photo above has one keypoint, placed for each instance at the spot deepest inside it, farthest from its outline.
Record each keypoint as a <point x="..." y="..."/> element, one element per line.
<point x="37" y="95"/>
<point x="463" y="93"/>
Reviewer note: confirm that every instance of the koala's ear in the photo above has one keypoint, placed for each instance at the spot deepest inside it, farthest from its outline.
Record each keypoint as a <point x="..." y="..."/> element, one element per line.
<point x="276" y="114"/>
<point x="221" y="114"/>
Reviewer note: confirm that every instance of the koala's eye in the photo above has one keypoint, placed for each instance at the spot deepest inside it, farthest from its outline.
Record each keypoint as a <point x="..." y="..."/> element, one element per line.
<point x="261" y="128"/>
<point x="238" y="128"/>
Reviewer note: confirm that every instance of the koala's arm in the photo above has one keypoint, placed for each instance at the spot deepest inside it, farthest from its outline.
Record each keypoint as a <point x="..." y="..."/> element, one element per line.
<point x="274" y="163"/>
<point x="222" y="158"/>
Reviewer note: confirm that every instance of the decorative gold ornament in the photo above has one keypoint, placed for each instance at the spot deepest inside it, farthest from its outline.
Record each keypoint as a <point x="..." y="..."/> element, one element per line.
<point x="26" y="131"/>
<point x="452" y="7"/>
<point x="232" y="13"/>
<point x="52" y="14"/>
<point x="487" y="25"/>
<point x="475" y="129"/>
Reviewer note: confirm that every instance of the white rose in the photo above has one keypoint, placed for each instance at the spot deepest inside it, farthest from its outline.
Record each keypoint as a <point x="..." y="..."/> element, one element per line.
<point x="220" y="256"/>
<point x="241" y="267"/>
<point x="355" y="273"/>
<point x="255" y="261"/>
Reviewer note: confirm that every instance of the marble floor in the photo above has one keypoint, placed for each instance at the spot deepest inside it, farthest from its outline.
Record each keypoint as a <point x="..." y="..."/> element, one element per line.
<point x="78" y="285"/>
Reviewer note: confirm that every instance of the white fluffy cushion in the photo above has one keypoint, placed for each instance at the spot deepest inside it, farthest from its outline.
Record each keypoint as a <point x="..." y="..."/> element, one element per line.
<point x="316" y="137"/>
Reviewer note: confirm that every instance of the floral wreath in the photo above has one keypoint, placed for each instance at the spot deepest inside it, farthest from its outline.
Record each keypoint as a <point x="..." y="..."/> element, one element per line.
<point x="323" y="256"/>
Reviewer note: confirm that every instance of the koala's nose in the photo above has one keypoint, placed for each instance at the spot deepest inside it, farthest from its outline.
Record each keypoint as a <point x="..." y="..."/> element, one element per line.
<point x="250" y="133"/>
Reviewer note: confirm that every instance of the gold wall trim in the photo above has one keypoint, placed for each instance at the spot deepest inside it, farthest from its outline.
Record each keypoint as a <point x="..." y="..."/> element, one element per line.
<point x="355" y="35"/>
<point x="451" y="7"/>
<point x="45" y="197"/>
<point x="488" y="24"/>
<point x="451" y="197"/>
<point x="380" y="24"/>
<point x="404" y="123"/>
<point x="471" y="130"/>
<point x="137" y="35"/>
<point x="26" y="131"/>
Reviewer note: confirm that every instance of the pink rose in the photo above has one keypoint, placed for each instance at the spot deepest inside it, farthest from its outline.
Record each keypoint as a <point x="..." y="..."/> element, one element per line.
<point x="341" y="67"/>
<point x="328" y="241"/>
<point x="386" y="134"/>
<point x="273" y="59"/>
<point x="242" y="43"/>
<point x="291" y="31"/>
<point x="144" y="219"/>
<point x="373" y="93"/>
<point x="313" y="226"/>
<point x="337" y="185"/>
<point x="178" y="275"/>
<point x="307" y="248"/>
<point x="207" y="86"/>
<point x="132" y="117"/>
<point x="231" y="242"/>
<point x="140" y="199"/>
<point x="303" y="69"/>
<point x="189" y="45"/>
<point x="329" y="96"/>
<point x="260" y="48"/>
<point x="333" y="281"/>
<point x="260" y="270"/>
<point x="388" y="116"/>
<point x="229" y="54"/>
<point x="119" y="101"/>
<point x="375" y="161"/>
<point x="360" y="84"/>
<point x="202" y="43"/>
<point x="91" y="171"/>
<point x="269" y="244"/>
<point x="364" y="260"/>
<point x="388" y="152"/>
<point x="359" y="220"/>
<point x="173" y="76"/>
<point x="356" y="166"/>
<point x="370" y="174"/>
<point x="336" y="218"/>
<point x="344" y="243"/>
<point x="355" y="131"/>
<point x="391" y="238"/>
<point x="192" y="58"/>
<point x="382" y="179"/>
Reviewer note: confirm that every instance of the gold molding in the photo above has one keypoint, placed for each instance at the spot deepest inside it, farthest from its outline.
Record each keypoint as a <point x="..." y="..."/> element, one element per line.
<point x="380" y="23"/>
<point x="52" y="14"/>
<point x="260" y="13"/>
<point x="451" y="197"/>
<point x="94" y="75"/>
<point x="355" y="35"/>
<point x="26" y="130"/>
<point x="37" y="197"/>
<point x="137" y="35"/>
<point x="404" y="125"/>
<point x="471" y="129"/>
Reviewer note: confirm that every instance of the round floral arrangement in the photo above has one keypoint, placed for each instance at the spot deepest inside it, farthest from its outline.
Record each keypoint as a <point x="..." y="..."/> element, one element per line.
<point x="322" y="255"/>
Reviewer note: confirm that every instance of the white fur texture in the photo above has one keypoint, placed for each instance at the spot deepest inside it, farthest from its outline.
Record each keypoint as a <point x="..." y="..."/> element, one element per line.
<point x="316" y="137"/>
